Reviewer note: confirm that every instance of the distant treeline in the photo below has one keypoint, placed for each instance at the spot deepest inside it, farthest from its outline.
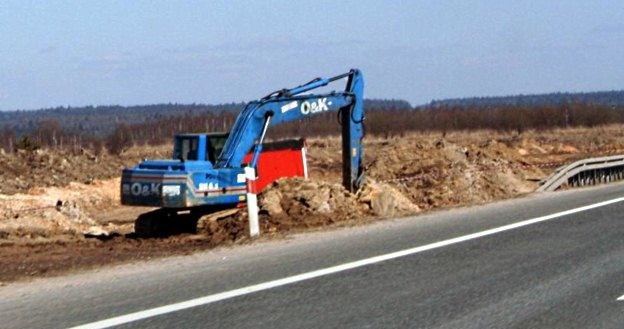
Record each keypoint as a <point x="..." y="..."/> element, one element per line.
<point x="448" y="118"/>
<point x="101" y="121"/>
<point x="606" y="98"/>
<point x="116" y="127"/>
<point x="383" y="121"/>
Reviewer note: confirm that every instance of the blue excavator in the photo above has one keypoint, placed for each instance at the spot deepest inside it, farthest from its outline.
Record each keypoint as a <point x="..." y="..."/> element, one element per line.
<point x="206" y="173"/>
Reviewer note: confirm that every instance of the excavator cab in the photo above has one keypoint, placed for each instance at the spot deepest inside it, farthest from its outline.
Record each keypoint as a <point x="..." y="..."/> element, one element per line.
<point x="198" y="147"/>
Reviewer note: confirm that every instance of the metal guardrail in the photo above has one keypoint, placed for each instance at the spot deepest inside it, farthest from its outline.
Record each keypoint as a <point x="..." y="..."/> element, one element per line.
<point x="586" y="172"/>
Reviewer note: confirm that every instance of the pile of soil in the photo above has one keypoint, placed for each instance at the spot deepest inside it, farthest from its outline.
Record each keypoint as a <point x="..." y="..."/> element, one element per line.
<point x="57" y="213"/>
<point x="296" y="204"/>
<point x="439" y="173"/>
<point x="462" y="168"/>
<point x="23" y="170"/>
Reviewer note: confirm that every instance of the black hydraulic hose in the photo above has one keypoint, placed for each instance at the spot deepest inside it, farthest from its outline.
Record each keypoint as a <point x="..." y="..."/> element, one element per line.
<point x="338" y="77"/>
<point x="339" y="117"/>
<point x="284" y="92"/>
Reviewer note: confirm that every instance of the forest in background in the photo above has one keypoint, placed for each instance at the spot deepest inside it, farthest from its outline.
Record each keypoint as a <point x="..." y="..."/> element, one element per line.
<point x="607" y="98"/>
<point x="115" y="128"/>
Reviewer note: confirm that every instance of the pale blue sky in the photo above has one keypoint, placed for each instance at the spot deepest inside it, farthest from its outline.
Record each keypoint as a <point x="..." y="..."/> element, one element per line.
<point x="141" y="52"/>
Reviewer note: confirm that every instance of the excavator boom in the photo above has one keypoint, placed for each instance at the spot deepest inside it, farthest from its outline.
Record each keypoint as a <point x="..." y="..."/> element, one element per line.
<point x="291" y="104"/>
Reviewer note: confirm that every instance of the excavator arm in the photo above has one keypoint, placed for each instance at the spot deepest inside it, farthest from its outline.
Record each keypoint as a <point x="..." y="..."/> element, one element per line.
<point x="288" y="105"/>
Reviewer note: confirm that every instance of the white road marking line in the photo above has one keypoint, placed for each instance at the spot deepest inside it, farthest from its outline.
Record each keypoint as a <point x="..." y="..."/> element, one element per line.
<point x="131" y="317"/>
<point x="621" y="298"/>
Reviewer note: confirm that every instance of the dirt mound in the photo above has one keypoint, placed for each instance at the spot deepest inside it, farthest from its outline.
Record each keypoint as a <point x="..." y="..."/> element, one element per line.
<point x="296" y="203"/>
<point x="23" y="170"/>
<point x="57" y="213"/>
<point x="383" y="200"/>
<point x="300" y="202"/>
<point x="438" y="172"/>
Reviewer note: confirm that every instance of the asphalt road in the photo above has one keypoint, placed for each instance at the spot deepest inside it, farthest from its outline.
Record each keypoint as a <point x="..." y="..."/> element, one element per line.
<point x="562" y="271"/>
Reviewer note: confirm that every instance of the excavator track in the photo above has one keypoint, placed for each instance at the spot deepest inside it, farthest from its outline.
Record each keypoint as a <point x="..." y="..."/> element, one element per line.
<point x="165" y="222"/>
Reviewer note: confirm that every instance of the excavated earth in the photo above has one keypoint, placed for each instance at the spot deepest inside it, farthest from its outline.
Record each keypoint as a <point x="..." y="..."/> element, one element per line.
<point x="60" y="211"/>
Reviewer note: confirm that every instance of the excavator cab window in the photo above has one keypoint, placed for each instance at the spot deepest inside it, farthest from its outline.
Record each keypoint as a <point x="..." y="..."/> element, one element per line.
<point x="186" y="148"/>
<point x="214" y="146"/>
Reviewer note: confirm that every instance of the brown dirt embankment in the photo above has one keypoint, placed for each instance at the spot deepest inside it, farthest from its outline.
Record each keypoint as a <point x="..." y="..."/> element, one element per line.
<point x="416" y="172"/>
<point x="24" y="170"/>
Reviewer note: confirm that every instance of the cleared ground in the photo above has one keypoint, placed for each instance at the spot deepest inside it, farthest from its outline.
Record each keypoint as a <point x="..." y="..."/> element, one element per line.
<point x="408" y="174"/>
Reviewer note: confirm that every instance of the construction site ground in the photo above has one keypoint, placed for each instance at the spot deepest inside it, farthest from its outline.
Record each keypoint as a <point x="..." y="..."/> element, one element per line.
<point x="59" y="211"/>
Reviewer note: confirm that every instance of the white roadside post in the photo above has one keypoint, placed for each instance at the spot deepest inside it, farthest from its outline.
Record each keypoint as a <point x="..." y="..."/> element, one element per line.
<point x="252" y="202"/>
